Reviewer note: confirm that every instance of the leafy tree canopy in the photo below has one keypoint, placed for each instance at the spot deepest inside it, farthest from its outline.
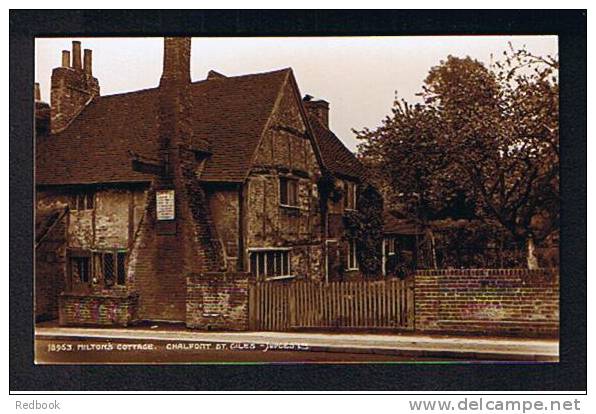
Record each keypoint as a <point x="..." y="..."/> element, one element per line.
<point x="483" y="143"/>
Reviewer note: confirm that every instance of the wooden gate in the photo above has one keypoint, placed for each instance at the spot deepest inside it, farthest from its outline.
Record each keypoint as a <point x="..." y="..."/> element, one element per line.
<point x="282" y="306"/>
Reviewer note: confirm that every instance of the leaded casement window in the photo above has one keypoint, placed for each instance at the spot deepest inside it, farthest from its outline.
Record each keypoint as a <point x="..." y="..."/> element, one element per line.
<point x="390" y="246"/>
<point x="109" y="268"/>
<point x="80" y="270"/>
<point x="352" y="255"/>
<point x="268" y="264"/>
<point x="349" y="195"/>
<point x="288" y="192"/>
<point x="105" y="268"/>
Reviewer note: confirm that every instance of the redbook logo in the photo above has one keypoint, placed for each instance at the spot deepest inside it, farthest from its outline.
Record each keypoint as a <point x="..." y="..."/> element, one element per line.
<point x="37" y="405"/>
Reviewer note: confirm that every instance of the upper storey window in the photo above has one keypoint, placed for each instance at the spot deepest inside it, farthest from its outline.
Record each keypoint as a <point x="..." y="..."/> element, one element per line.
<point x="82" y="201"/>
<point x="288" y="192"/>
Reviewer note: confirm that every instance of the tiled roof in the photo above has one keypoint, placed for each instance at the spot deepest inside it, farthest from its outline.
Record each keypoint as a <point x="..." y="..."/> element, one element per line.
<point x="336" y="157"/>
<point x="229" y="112"/>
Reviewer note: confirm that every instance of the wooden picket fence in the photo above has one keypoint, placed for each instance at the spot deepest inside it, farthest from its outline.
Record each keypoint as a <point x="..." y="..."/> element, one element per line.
<point x="283" y="306"/>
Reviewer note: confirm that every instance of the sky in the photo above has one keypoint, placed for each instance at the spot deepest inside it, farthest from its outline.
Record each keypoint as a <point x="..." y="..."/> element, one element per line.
<point x="358" y="76"/>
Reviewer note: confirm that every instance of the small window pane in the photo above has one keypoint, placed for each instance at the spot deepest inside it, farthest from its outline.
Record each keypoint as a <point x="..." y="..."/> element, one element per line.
<point x="283" y="191"/>
<point x="278" y="264"/>
<point x="285" y="263"/>
<point x="271" y="264"/>
<point x="108" y="269"/>
<point x="292" y="193"/>
<point x="121" y="268"/>
<point x="253" y="264"/>
<point x="82" y="265"/>
<point x="90" y="201"/>
<point x="261" y="264"/>
<point x="76" y="270"/>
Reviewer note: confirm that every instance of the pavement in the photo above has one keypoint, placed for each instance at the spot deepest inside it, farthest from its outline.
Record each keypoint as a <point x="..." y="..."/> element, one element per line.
<point x="403" y="344"/>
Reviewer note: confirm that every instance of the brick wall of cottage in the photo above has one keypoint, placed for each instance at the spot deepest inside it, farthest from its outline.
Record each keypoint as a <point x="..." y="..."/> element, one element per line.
<point x="217" y="301"/>
<point x="97" y="309"/>
<point x="488" y="301"/>
<point x="224" y="204"/>
<point x="286" y="151"/>
<point x="110" y="224"/>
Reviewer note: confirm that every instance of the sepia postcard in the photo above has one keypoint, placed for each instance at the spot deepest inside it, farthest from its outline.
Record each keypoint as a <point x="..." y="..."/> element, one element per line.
<point x="363" y="199"/>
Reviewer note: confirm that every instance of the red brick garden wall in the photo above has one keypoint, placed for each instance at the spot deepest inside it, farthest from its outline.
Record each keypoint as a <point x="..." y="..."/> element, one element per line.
<point x="488" y="301"/>
<point x="217" y="301"/>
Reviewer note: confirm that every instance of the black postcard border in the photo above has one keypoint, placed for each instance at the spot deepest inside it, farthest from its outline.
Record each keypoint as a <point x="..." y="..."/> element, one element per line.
<point x="568" y="375"/>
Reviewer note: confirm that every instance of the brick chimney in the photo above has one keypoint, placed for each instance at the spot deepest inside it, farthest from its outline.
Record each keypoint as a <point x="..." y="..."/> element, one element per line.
<point x="176" y="60"/>
<point x="73" y="87"/>
<point x="42" y="113"/>
<point x="174" y="99"/>
<point x="188" y="243"/>
<point x="317" y="108"/>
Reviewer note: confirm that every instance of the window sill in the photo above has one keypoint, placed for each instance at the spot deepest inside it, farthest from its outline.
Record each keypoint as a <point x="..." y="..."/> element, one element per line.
<point x="115" y="294"/>
<point x="267" y="279"/>
<point x="289" y="207"/>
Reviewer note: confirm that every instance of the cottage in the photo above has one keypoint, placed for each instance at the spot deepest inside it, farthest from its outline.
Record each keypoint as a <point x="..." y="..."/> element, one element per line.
<point x="221" y="177"/>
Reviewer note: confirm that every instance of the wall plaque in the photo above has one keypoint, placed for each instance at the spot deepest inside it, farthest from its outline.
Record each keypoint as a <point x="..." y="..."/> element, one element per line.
<point x="165" y="204"/>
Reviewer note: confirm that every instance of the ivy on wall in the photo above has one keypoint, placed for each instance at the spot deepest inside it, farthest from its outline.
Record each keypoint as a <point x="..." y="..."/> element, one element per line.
<point x="365" y="224"/>
<point x="328" y="189"/>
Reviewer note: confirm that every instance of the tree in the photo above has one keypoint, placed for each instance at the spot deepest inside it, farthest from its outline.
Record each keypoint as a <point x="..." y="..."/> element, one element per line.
<point x="486" y="138"/>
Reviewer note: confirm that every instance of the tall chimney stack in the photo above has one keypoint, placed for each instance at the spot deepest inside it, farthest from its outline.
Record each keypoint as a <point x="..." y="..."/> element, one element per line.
<point x="65" y="59"/>
<point x="76" y="54"/>
<point x="73" y="87"/>
<point x="176" y="60"/>
<point x="87" y="62"/>
<point x="319" y="109"/>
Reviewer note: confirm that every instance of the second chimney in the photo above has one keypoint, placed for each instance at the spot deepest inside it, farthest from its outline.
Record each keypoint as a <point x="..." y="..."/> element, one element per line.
<point x="319" y="109"/>
<point x="76" y="54"/>
<point x="87" y="61"/>
<point x="65" y="59"/>
<point x="72" y="87"/>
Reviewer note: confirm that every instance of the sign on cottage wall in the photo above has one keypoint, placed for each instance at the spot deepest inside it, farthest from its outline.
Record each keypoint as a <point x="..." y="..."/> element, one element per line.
<point x="165" y="204"/>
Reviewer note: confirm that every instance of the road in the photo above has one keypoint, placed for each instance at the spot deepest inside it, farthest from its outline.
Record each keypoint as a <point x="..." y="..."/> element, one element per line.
<point x="98" y="351"/>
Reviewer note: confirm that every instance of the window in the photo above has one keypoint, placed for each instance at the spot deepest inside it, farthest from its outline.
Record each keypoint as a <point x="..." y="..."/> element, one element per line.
<point x="110" y="268"/>
<point x="270" y="264"/>
<point x="82" y="201"/>
<point x="349" y="196"/>
<point x="288" y="192"/>
<point x="390" y="245"/>
<point x="352" y="259"/>
<point x="80" y="270"/>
